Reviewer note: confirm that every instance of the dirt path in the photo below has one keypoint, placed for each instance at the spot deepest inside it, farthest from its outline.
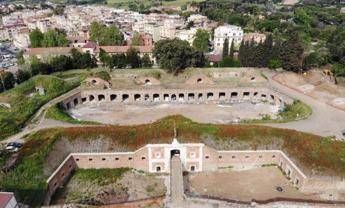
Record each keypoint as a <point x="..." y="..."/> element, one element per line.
<point x="325" y="119"/>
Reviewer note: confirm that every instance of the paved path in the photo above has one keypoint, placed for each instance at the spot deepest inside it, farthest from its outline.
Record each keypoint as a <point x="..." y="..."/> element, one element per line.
<point x="176" y="181"/>
<point x="38" y="121"/>
<point x="325" y="119"/>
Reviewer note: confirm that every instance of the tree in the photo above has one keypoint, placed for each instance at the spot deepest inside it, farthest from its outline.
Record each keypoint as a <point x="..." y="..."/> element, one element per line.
<point x="201" y="40"/>
<point x="226" y="48"/>
<point x="336" y="45"/>
<point x="118" y="61"/>
<point x="232" y="49"/>
<point x="61" y="63"/>
<point x="173" y="54"/>
<point x="20" y="57"/>
<point x="22" y="75"/>
<point x="229" y="62"/>
<point x="104" y="57"/>
<point x="338" y="70"/>
<point x="274" y="64"/>
<point x="292" y="53"/>
<point x="133" y="59"/>
<point x="135" y="39"/>
<point x="54" y="38"/>
<point x="7" y="80"/>
<point x="146" y="61"/>
<point x="36" y="37"/>
<point x="104" y="35"/>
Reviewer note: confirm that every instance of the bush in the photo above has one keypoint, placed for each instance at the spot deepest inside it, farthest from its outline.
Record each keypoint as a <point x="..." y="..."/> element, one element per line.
<point x="274" y="64"/>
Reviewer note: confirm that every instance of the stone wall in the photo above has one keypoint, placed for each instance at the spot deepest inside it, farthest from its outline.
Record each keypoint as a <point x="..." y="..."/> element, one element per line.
<point x="194" y="157"/>
<point x="215" y="95"/>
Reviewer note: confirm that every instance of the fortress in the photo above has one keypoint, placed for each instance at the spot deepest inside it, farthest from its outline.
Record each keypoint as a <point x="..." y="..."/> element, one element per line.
<point x="194" y="89"/>
<point x="155" y="158"/>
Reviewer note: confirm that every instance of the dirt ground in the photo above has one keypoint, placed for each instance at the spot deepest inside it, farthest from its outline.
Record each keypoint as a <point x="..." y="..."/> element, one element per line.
<point x="132" y="186"/>
<point x="204" y="113"/>
<point x="316" y="85"/>
<point x="245" y="185"/>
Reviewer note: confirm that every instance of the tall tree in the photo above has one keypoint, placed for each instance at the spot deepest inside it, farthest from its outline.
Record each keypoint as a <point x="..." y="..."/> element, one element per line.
<point x="232" y="49"/>
<point x="292" y="53"/>
<point x="7" y="80"/>
<point x="135" y="39"/>
<point x="104" y="35"/>
<point x="226" y="48"/>
<point x="133" y="59"/>
<point x="36" y="37"/>
<point x="146" y="61"/>
<point x="22" y="75"/>
<point x="201" y="40"/>
<point x="175" y="55"/>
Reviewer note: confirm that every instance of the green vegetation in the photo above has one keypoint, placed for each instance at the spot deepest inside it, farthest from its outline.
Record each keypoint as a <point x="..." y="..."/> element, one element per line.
<point x="56" y="112"/>
<point x="201" y="41"/>
<point x="52" y="38"/>
<point x="104" y="35"/>
<point x="101" y="177"/>
<point x="295" y="111"/>
<point x="312" y="153"/>
<point x="175" y="55"/>
<point x="25" y="101"/>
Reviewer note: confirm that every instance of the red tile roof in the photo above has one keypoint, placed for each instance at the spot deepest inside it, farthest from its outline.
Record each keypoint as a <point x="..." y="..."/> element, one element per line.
<point x="5" y="198"/>
<point x="124" y="49"/>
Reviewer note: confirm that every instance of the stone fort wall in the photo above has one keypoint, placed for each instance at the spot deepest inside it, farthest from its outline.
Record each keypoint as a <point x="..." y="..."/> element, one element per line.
<point x="146" y="96"/>
<point x="155" y="158"/>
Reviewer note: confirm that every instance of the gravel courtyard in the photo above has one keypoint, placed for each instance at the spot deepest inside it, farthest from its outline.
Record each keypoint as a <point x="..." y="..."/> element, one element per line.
<point x="140" y="114"/>
<point x="244" y="185"/>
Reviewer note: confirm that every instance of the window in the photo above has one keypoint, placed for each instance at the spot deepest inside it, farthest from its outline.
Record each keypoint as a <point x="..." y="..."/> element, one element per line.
<point x="158" y="169"/>
<point x="90" y="159"/>
<point x="233" y="157"/>
<point x="77" y="159"/>
<point x="207" y="156"/>
<point x="130" y="158"/>
<point x="192" y="168"/>
<point x="260" y="156"/>
<point x="143" y="158"/>
<point x="103" y="159"/>
<point x="273" y="156"/>
<point x="247" y="156"/>
<point x="220" y="157"/>
<point x="116" y="158"/>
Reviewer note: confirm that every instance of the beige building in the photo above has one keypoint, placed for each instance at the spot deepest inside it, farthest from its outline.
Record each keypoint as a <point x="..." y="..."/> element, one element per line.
<point x="256" y="37"/>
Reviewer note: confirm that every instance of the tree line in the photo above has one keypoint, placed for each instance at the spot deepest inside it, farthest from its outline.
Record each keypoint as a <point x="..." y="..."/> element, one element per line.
<point x="76" y="60"/>
<point x="130" y="59"/>
<point x="52" y="38"/>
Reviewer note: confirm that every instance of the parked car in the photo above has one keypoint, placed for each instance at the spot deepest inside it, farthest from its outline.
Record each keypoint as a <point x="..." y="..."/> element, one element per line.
<point x="13" y="146"/>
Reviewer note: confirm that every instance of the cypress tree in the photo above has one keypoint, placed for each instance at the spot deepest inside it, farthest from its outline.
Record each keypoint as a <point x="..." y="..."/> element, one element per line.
<point x="232" y="49"/>
<point x="226" y="48"/>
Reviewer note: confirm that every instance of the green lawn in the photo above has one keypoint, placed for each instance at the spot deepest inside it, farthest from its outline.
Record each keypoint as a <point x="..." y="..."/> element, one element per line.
<point x="56" y="112"/>
<point x="25" y="102"/>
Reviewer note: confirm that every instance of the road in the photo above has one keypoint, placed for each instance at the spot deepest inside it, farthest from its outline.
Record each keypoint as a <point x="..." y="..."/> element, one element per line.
<point x="325" y="119"/>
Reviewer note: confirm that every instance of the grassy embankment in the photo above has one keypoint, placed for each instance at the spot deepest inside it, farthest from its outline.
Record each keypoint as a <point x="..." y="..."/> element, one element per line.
<point x="56" y="112"/>
<point x="25" y="101"/>
<point x="27" y="180"/>
<point x="293" y="112"/>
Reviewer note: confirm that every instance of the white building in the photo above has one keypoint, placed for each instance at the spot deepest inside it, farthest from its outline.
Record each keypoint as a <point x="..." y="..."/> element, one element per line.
<point x="187" y="35"/>
<point x="232" y="32"/>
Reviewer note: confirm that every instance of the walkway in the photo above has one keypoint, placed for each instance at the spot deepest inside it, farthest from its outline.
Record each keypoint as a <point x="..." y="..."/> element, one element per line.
<point x="176" y="182"/>
<point x="325" y="119"/>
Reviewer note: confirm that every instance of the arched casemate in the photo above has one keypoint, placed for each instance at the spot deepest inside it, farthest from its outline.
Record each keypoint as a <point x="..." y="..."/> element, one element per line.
<point x="230" y="95"/>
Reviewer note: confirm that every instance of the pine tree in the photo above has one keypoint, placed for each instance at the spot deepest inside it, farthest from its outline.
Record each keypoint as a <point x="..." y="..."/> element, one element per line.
<point x="226" y="48"/>
<point x="292" y="53"/>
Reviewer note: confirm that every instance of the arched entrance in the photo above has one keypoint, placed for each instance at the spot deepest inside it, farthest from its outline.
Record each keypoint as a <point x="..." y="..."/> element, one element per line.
<point x="174" y="152"/>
